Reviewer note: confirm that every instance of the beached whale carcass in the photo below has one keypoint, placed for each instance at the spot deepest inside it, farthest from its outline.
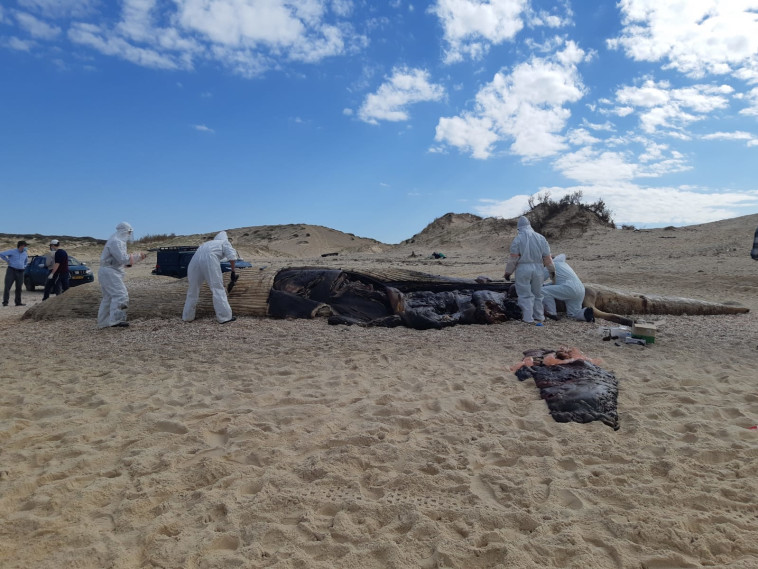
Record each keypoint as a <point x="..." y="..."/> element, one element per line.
<point x="367" y="296"/>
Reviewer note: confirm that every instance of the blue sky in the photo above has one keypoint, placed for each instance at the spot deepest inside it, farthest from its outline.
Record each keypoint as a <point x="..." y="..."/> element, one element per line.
<point x="371" y="117"/>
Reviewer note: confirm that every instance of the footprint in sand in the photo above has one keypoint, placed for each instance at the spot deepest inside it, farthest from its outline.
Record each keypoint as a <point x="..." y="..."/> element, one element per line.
<point x="228" y="542"/>
<point x="171" y="427"/>
<point x="540" y="491"/>
<point x="570" y="500"/>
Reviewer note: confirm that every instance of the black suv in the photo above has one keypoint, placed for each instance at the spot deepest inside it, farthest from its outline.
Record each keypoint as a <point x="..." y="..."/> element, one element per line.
<point x="173" y="261"/>
<point x="36" y="272"/>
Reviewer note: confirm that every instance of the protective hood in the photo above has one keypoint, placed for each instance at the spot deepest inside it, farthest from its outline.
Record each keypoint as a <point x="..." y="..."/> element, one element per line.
<point x="221" y="236"/>
<point x="124" y="231"/>
<point x="523" y="223"/>
<point x="560" y="258"/>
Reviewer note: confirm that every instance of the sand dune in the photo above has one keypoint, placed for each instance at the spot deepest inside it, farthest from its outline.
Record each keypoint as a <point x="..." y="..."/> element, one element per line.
<point x="270" y="443"/>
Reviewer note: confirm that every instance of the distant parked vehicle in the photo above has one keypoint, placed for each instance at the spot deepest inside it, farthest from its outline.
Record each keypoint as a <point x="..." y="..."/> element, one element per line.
<point x="36" y="272"/>
<point x="173" y="261"/>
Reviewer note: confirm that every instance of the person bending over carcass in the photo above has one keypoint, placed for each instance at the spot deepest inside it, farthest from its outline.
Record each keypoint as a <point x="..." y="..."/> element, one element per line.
<point x="205" y="266"/>
<point x="567" y="288"/>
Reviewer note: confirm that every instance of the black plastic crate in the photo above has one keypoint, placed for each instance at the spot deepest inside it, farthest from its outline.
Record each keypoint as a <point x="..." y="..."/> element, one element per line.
<point x="173" y="261"/>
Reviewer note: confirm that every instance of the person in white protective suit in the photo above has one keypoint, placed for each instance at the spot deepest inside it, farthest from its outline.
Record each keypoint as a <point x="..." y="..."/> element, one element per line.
<point x="567" y="288"/>
<point x="530" y="252"/>
<point x="205" y="266"/>
<point x="113" y="259"/>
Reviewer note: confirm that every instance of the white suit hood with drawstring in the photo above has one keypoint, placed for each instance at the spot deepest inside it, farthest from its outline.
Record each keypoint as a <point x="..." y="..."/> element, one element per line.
<point x="528" y="244"/>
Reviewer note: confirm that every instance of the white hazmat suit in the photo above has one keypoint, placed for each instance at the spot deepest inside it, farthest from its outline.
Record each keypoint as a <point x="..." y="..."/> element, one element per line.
<point x="205" y="266"/>
<point x="529" y="253"/>
<point x="567" y="288"/>
<point x="113" y="259"/>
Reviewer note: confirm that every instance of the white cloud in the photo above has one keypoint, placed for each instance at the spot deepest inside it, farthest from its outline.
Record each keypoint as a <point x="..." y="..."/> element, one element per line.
<point x="525" y="106"/>
<point x="405" y="87"/>
<point x="60" y="8"/>
<point x="663" y="205"/>
<point x="642" y="206"/>
<point x="752" y="99"/>
<point x="20" y="45"/>
<point x="581" y="137"/>
<point x="655" y="164"/>
<point x="602" y="166"/>
<point x="103" y="41"/>
<point x="749" y="138"/>
<point x="607" y="126"/>
<point x="238" y="24"/>
<point x="653" y="151"/>
<point x="548" y="45"/>
<point x="623" y="111"/>
<point x="246" y="63"/>
<point x="596" y="167"/>
<point x="295" y="31"/>
<point x="663" y="107"/>
<point x="694" y="37"/>
<point x="649" y="94"/>
<point x="343" y="8"/>
<point x="470" y="26"/>
<point x="551" y="20"/>
<point x="512" y="207"/>
<point x="736" y="135"/>
<point x="203" y="128"/>
<point x="248" y="36"/>
<point x="36" y="27"/>
<point x="468" y="133"/>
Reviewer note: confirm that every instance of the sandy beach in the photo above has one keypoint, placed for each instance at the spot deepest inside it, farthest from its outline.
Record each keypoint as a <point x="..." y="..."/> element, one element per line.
<point x="296" y="444"/>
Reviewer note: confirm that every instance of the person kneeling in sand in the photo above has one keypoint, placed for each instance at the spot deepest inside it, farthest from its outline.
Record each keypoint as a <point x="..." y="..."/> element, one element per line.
<point x="569" y="289"/>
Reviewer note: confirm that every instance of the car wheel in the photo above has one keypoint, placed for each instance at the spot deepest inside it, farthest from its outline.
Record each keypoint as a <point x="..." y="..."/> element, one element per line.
<point x="28" y="284"/>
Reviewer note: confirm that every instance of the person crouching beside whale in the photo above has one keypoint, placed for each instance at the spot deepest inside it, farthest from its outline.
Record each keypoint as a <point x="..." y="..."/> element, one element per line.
<point x="567" y="288"/>
<point x="529" y="253"/>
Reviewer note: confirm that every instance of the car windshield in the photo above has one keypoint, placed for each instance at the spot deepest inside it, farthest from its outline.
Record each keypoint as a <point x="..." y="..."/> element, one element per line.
<point x="73" y="261"/>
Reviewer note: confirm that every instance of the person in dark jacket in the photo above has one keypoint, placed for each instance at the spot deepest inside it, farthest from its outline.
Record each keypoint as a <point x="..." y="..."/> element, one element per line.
<point x="57" y="280"/>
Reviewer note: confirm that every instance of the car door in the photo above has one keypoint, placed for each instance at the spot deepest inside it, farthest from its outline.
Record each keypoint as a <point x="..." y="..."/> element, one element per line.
<point x="39" y="271"/>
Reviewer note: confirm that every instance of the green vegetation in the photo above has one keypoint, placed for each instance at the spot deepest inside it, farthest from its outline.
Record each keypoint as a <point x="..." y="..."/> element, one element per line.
<point x="157" y="237"/>
<point x="542" y="208"/>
